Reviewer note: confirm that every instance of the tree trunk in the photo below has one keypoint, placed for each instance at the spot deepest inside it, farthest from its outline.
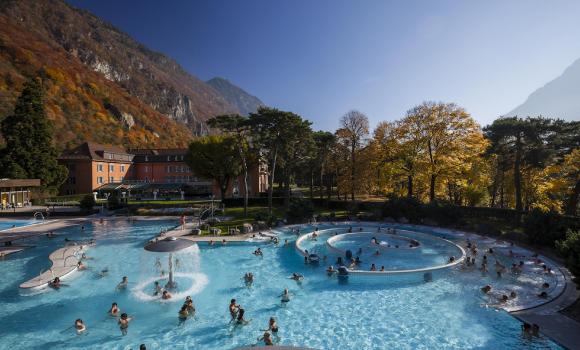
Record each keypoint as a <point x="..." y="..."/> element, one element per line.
<point x="409" y="186"/>
<point x="517" y="174"/>
<point x="352" y="170"/>
<point x="432" y="188"/>
<point x="223" y="187"/>
<point x="271" y="181"/>
<point x="572" y="205"/>
<point x="311" y="183"/>
<point x="321" y="194"/>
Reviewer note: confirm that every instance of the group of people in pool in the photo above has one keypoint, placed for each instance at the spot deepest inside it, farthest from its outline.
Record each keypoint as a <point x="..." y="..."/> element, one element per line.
<point x="237" y="315"/>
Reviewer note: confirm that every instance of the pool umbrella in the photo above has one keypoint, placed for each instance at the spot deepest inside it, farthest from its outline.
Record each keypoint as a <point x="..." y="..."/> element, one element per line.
<point x="169" y="245"/>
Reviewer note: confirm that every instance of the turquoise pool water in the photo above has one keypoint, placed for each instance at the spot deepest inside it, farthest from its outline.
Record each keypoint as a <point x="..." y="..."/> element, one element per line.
<point x="6" y="224"/>
<point x="364" y="312"/>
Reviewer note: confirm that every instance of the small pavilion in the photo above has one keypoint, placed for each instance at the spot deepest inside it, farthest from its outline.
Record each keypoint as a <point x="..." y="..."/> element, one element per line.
<point x="15" y="193"/>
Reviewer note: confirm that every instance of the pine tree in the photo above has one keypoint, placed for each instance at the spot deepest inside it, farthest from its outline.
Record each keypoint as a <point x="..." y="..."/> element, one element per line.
<point x="29" y="151"/>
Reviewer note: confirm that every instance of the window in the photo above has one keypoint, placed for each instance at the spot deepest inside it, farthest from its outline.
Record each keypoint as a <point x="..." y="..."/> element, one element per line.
<point x="99" y="167"/>
<point x="146" y="158"/>
<point x="123" y="168"/>
<point x="146" y="169"/>
<point x="111" y="167"/>
<point x="111" y="179"/>
<point x="168" y="169"/>
<point x="100" y="180"/>
<point x="168" y="158"/>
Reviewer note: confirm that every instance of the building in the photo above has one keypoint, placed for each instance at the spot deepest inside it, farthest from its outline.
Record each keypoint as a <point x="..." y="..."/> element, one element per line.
<point x="95" y="167"/>
<point x="16" y="192"/>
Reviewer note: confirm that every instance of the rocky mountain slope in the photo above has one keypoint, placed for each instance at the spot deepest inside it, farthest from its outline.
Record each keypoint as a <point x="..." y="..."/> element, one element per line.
<point x="560" y="98"/>
<point x="100" y="84"/>
<point x="236" y="96"/>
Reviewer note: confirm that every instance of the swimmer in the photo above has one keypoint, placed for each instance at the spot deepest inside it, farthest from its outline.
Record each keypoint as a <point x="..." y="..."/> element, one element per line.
<point x="124" y="323"/>
<point x="233" y="308"/>
<point x="189" y="305"/>
<point x="104" y="272"/>
<point x="359" y="251"/>
<point x="258" y="252"/>
<point x="513" y="295"/>
<point x="546" y="285"/>
<point x="296" y="277"/>
<point x="535" y="330"/>
<point x="166" y="295"/>
<point x="272" y="326"/>
<point x="383" y="268"/>
<point x="240" y="320"/>
<point x="543" y="295"/>
<point x="285" y="296"/>
<point x="114" y="311"/>
<point x="377" y="253"/>
<point x="285" y="242"/>
<point x="211" y="242"/>
<point x="503" y="299"/>
<point x="451" y="259"/>
<point x="266" y="339"/>
<point x="80" y="266"/>
<point x="123" y="284"/>
<point x="249" y="278"/>
<point x="373" y="267"/>
<point x="486" y="289"/>
<point x="330" y="270"/>
<point x="224" y="242"/>
<point x="80" y="326"/>
<point x="158" y="290"/>
<point x="55" y="283"/>
<point x="183" y="313"/>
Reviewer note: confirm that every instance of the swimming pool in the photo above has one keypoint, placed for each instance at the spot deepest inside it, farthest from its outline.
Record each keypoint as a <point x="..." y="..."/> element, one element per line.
<point x="7" y="224"/>
<point x="363" y="312"/>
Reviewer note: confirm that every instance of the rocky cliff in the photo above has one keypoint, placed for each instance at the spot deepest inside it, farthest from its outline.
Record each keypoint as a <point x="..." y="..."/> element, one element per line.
<point x="236" y="96"/>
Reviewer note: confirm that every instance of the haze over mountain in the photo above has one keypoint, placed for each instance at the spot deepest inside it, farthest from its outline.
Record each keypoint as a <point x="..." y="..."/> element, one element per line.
<point x="235" y="96"/>
<point x="560" y="98"/>
<point x="100" y="84"/>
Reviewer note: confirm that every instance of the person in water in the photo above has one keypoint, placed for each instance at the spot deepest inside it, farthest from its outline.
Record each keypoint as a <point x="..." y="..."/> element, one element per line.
<point x="249" y="279"/>
<point x="166" y="295"/>
<point x="296" y="277"/>
<point x="80" y="266"/>
<point x="114" y="311"/>
<point x="330" y="270"/>
<point x="285" y="296"/>
<point x="104" y="272"/>
<point x="123" y="284"/>
<point x="183" y="313"/>
<point x="189" y="305"/>
<point x="267" y="339"/>
<point x="373" y="267"/>
<point x="240" y="320"/>
<point x="272" y="326"/>
<point x="158" y="290"/>
<point x="486" y="289"/>
<point x="80" y="326"/>
<point x="55" y="283"/>
<point x="124" y="323"/>
<point x="258" y="252"/>
<point x="233" y="308"/>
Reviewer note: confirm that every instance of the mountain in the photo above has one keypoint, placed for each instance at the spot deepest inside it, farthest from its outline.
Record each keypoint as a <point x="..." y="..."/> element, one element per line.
<point x="235" y="96"/>
<point x="560" y="98"/>
<point x="100" y="84"/>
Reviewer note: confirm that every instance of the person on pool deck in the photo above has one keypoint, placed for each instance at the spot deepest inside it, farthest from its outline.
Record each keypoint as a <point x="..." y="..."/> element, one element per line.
<point x="285" y="296"/>
<point x="266" y="339"/>
<point x="166" y="295"/>
<point x="240" y="320"/>
<point x="124" y="323"/>
<point x="234" y="308"/>
<point x="80" y="326"/>
<point x="114" y="311"/>
<point x="123" y="284"/>
<point x="373" y="267"/>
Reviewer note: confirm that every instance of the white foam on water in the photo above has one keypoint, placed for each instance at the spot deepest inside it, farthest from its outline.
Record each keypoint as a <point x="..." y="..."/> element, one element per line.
<point x="198" y="283"/>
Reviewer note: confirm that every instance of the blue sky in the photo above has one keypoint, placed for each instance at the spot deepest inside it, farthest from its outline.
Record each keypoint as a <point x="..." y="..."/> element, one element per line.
<point x="321" y="58"/>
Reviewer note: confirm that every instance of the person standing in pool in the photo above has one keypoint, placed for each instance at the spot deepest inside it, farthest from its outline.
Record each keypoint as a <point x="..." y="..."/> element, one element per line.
<point x="114" y="311"/>
<point x="124" y="323"/>
<point x="233" y="308"/>
<point x="183" y="314"/>
<point x="123" y="284"/>
<point x="266" y="339"/>
<point x="80" y="326"/>
<point x="285" y="296"/>
<point x="240" y="320"/>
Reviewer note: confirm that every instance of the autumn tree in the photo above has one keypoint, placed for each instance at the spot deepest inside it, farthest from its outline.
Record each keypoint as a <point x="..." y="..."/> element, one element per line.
<point x="215" y="158"/>
<point x="29" y="151"/>
<point x="354" y="127"/>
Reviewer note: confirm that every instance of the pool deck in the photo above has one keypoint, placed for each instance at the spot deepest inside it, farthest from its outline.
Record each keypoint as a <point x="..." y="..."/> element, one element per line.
<point x="186" y="233"/>
<point x="64" y="262"/>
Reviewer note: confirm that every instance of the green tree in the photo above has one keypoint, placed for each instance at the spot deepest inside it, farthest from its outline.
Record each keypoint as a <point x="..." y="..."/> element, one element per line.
<point x="324" y="142"/>
<point x="215" y="158"/>
<point x="277" y="136"/>
<point x="238" y="127"/>
<point x="29" y="150"/>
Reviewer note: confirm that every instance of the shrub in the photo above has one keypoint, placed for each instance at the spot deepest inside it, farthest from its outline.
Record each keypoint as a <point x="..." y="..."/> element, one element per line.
<point x="441" y="213"/>
<point x="270" y="220"/>
<point x="87" y="203"/>
<point x="410" y="208"/>
<point x="113" y="202"/>
<point x="544" y="228"/>
<point x="299" y="210"/>
<point x="570" y="250"/>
